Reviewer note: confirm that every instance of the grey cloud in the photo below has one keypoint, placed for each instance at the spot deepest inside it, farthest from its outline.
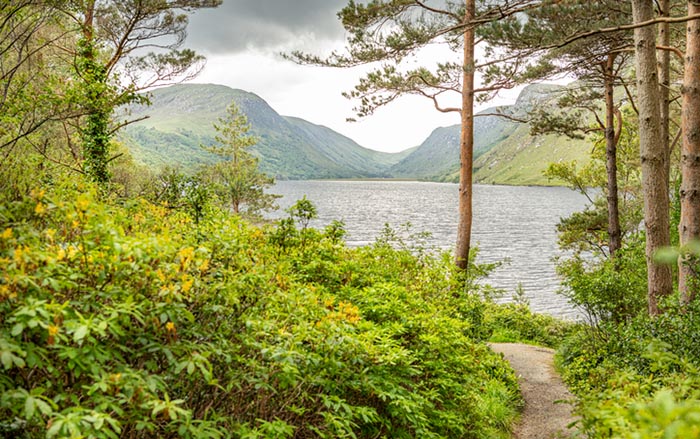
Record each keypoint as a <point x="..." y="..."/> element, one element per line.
<point x="263" y="24"/>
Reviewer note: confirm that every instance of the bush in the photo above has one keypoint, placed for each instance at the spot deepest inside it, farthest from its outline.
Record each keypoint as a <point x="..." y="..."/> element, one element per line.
<point x="513" y="322"/>
<point x="132" y="320"/>
<point x="608" y="290"/>
<point x="637" y="380"/>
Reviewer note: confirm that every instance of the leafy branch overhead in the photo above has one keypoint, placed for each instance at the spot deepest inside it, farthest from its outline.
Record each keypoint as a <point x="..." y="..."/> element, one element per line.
<point x="392" y="32"/>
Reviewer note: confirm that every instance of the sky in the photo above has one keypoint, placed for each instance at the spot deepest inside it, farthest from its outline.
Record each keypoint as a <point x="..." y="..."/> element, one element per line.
<point x="243" y="41"/>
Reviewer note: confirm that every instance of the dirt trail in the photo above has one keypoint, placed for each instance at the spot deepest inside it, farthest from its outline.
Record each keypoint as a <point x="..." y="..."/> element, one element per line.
<point x="541" y="387"/>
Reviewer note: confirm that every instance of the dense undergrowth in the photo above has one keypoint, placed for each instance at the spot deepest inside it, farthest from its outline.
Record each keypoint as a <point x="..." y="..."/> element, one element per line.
<point x="123" y="318"/>
<point x="634" y="376"/>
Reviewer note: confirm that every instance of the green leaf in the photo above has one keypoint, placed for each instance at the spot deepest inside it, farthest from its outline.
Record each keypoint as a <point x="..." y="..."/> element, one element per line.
<point x="44" y="407"/>
<point x="29" y="407"/>
<point x="667" y="255"/>
<point x="17" y="329"/>
<point x="80" y="333"/>
<point x="56" y="426"/>
<point x="6" y="359"/>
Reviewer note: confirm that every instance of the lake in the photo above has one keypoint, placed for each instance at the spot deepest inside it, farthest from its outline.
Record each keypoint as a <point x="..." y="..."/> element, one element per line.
<point x="516" y="224"/>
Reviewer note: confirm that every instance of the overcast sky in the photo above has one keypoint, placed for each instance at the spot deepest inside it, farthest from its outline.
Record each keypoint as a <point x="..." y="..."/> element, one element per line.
<point x="242" y="40"/>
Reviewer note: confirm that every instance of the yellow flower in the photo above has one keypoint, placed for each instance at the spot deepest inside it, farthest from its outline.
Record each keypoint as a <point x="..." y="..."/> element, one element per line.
<point x="170" y="327"/>
<point x="53" y="330"/>
<point x="40" y="208"/>
<point x="204" y="266"/>
<point x="7" y="234"/>
<point x="160" y="275"/>
<point x="82" y="203"/>
<point x="186" y="284"/>
<point x="72" y="251"/>
<point x="50" y="233"/>
<point x="61" y="254"/>
<point x="186" y="254"/>
<point x="37" y="194"/>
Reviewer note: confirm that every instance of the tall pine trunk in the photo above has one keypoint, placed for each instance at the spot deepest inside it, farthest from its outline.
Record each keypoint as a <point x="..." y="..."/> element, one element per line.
<point x="689" y="228"/>
<point x="466" y="154"/>
<point x="654" y="155"/>
<point x="614" y="233"/>
<point x="664" y="60"/>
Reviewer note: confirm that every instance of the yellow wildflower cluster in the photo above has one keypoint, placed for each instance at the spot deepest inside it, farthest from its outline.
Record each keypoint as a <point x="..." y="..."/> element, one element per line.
<point x="82" y="203"/>
<point x="40" y="208"/>
<point x="187" y="282"/>
<point x="345" y="312"/>
<point x="185" y="255"/>
<point x="7" y="291"/>
<point x="204" y="266"/>
<point x="20" y="253"/>
<point x="7" y="234"/>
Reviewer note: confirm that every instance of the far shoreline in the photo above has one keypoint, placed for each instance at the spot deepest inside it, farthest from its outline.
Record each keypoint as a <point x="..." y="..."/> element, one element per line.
<point x="407" y="180"/>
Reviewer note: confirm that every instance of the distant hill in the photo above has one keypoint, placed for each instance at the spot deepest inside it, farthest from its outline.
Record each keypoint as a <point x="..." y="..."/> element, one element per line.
<point x="181" y="116"/>
<point x="504" y="150"/>
<point x="180" y="120"/>
<point x="438" y="155"/>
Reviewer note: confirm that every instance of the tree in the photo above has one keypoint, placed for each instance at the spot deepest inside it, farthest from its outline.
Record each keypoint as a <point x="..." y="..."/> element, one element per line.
<point x="389" y="31"/>
<point x="30" y="30"/>
<point x="111" y="68"/>
<point x="597" y="62"/>
<point x="689" y="228"/>
<point x="237" y="178"/>
<point x="654" y="155"/>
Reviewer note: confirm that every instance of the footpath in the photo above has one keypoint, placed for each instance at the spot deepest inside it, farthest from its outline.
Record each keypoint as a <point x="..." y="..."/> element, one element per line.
<point x="546" y="413"/>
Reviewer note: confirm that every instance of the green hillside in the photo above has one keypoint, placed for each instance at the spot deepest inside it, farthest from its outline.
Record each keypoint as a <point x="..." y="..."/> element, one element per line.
<point x="439" y="153"/>
<point x="505" y="151"/>
<point x="180" y="120"/>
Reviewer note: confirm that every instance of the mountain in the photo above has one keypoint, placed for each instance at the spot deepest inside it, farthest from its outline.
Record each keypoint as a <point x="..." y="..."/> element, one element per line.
<point x="438" y="155"/>
<point x="180" y="119"/>
<point x="181" y="116"/>
<point x="505" y="152"/>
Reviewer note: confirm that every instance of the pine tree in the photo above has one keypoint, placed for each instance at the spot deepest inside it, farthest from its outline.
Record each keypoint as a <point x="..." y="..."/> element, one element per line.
<point x="598" y="62"/>
<point x="237" y="179"/>
<point x="112" y="36"/>
<point x="389" y="32"/>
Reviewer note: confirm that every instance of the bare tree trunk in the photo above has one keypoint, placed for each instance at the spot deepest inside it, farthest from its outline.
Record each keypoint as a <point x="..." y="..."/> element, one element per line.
<point x="614" y="233"/>
<point x="466" y="154"/>
<point x="654" y="156"/>
<point x="664" y="60"/>
<point x="689" y="227"/>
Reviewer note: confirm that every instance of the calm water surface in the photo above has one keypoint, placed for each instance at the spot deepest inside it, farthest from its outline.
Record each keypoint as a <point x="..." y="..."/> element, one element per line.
<point x="511" y="223"/>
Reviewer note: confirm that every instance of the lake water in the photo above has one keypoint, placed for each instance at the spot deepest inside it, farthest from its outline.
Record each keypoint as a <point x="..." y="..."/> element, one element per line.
<point x="511" y="223"/>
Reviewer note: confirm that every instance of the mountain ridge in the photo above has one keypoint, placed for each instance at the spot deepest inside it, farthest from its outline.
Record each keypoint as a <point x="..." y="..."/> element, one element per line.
<point x="181" y="117"/>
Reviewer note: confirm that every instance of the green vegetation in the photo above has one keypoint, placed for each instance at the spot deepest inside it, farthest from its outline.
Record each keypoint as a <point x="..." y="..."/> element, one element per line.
<point x="635" y="376"/>
<point x="237" y="179"/>
<point x="125" y="318"/>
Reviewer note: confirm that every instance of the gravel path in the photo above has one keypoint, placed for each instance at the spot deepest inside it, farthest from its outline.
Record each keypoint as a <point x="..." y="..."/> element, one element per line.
<point x="543" y="417"/>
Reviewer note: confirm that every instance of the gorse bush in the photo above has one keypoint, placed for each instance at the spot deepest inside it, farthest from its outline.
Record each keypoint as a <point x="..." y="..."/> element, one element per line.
<point x="130" y="319"/>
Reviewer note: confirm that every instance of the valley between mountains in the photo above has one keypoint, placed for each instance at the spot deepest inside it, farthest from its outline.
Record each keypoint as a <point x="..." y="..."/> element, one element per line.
<point x="180" y="119"/>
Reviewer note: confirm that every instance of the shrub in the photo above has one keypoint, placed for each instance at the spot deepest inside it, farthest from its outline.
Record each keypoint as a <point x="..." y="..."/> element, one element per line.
<point x="132" y="320"/>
